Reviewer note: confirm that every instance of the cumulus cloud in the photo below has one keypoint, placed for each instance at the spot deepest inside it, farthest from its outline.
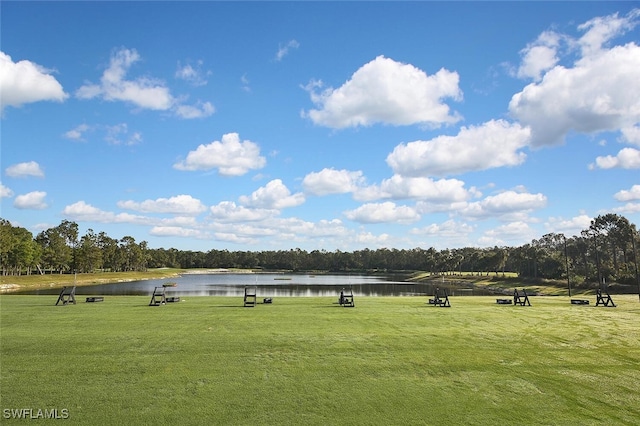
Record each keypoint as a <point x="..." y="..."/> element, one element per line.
<point x="143" y="92"/>
<point x="82" y="211"/>
<point x="600" y="30"/>
<point x="283" y="50"/>
<point x="20" y="170"/>
<point x="194" y="75"/>
<point x="331" y="181"/>
<point x="505" y="204"/>
<point x="631" y="135"/>
<point x="508" y="233"/>
<point x="629" y="208"/>
<point x="495" y="143"/>
<point x="180" y="204"/>
<point x="199" y="110"/>
<point x="399" y="187"/>
<point x="77" y="133"/>
<point x="5" y="192"/>
<point x="600" y="92"/>
<point x="368" y="239"/>
<point x="539" y="56"/>
<point x="177" y="231"/>
<point x="627" y="158"/>
<point x="228" y="211"/>
<point x="274" y="195"/>
<point x="387" y="212"/>
<point x="389" y="92"/>
<point x="628" y="195"/>
<point x="448" y="229"/>
<point x="569" y="227"/>
<point x="25" y="82"/>
<point x="230" y="156"/>
<point x="32" y="201"/>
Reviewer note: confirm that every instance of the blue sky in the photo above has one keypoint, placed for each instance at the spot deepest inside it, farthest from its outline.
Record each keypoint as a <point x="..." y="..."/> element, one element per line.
<point x="320" y="125"/>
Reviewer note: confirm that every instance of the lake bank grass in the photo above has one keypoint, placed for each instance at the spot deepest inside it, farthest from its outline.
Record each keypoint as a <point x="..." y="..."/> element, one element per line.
<point x="389" y="360"/>
<point x="10" y="283"/>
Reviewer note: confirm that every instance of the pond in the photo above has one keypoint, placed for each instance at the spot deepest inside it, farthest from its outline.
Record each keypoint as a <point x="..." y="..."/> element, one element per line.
<point x="272" y="285"/>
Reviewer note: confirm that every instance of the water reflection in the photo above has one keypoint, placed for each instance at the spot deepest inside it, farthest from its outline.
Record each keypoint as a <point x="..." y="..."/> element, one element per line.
<point x="272" y="285"/>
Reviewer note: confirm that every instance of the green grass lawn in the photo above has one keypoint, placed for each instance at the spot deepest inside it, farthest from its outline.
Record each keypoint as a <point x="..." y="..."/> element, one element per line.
<point x="208" y="360"/>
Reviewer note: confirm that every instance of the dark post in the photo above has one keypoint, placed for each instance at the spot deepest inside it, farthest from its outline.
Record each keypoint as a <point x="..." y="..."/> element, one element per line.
<point x="635" y="257"/>
<point x="566" y="260"/>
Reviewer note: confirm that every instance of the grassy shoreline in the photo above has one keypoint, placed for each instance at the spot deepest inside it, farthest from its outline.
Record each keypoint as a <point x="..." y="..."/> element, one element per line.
<point x="11" y="283"/>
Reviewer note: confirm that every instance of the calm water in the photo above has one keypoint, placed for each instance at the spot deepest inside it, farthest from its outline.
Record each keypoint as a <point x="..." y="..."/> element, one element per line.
<point x="270" y="285"/>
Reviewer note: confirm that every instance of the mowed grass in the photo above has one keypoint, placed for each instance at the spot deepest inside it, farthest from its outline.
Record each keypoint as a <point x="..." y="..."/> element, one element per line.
<point x="389" y="360"/>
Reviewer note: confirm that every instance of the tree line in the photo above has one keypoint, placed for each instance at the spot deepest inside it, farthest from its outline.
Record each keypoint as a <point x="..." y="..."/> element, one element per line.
<point x="605" y="252"/>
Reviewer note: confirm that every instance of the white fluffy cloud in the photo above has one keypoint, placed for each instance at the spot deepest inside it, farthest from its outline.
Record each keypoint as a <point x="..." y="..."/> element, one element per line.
<point x="628" y="195"/>
<point x="383" y="212"/>
<point x="539" y="56"/>
<point x="398" y="187"/>
<point x="33" y="201"/>
<point x="230" y="156"/>
<point x="331" y="181"/>
<point x="274" y="195"/>
<point x="631" y="135"/>
<point x="199" y="110"/>
<point x="30" y="168"/>
<point x="508" y="234"/>
<point x="180" y="204"/>
<point x="448" y="229"/>
<point x="82" y="211"/>
<point x="143" y="92"/>
<point x="194" y="75"/>
<point x="24" y="82"/>
<point x="5" y="192"/>
<point x="505" y="204"/>
<point x="178" y="231"/>
<point x="598" y="31"/>
<point x="569" y="227"/>
<point x="228" y="211"/>
<point x="627" y="158"/>
<point x="77" y="133"/>
<point x="389" y="92"/>
<point x="495" y="143"/>
<point x="600" y="92"/>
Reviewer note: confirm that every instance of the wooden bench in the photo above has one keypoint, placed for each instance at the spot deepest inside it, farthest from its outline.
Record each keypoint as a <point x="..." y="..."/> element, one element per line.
<point x="158" y="298"/>
<point x="504" y="301"/>
<point x="94" y="299"/>
<point x="346" y="299"/>
<point x="579" y="302"/>
<point x="250" y="296"/>
<point x="67" y="295"/>
<point x="604" y="300"/>
<point x="440" y="301"/>
<point x="521" y="300"/>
